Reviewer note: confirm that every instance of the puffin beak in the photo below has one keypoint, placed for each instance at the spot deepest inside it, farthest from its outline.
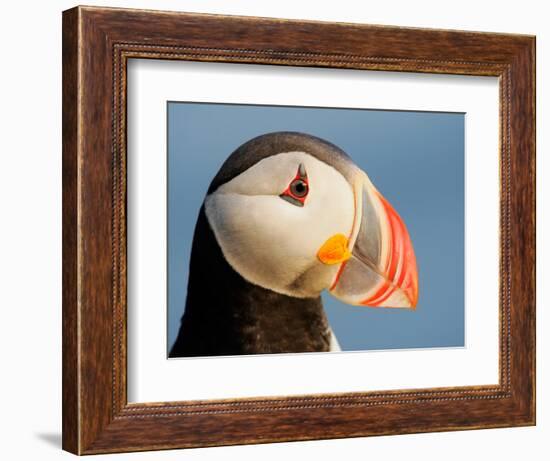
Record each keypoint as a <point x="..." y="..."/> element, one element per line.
<point x="377" y="267"/>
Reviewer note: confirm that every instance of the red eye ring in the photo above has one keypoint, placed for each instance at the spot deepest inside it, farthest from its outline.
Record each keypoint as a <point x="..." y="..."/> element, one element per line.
<point x="298" y="189"/>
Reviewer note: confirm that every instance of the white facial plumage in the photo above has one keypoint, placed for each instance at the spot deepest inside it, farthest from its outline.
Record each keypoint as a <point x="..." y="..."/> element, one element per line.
<point x="271" y="242"/>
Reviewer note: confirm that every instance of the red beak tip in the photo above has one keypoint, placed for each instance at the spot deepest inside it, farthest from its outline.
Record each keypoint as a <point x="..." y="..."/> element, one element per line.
<point x="413" y="298"/>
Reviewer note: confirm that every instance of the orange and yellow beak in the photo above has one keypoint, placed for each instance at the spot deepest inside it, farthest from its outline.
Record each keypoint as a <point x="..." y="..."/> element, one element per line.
<point x="377" y="264"/>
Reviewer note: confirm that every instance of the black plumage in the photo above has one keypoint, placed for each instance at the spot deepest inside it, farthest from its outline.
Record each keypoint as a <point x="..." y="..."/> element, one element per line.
<point x="266" y="145"/>
<point x="227" y="315"/>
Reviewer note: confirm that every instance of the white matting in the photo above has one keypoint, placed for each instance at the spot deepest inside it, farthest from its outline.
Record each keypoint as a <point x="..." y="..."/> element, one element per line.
<point x="151" y="377"/>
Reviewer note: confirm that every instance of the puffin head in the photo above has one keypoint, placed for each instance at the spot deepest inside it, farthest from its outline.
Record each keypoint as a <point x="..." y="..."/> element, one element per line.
<point x="292" y="213"/>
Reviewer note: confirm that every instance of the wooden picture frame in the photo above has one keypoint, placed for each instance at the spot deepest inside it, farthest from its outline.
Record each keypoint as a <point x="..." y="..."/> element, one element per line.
<point x="97" y="43"/>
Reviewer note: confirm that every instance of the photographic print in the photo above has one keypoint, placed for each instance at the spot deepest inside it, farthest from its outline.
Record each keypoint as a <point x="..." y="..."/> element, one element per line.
<point x="313" y="229"/>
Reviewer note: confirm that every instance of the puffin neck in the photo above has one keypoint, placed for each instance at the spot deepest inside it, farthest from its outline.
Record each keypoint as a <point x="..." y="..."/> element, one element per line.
<point x="227" y="315"/>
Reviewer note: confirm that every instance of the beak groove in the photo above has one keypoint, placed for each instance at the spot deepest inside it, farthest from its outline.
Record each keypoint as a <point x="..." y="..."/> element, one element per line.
<point x="381" y="271"/>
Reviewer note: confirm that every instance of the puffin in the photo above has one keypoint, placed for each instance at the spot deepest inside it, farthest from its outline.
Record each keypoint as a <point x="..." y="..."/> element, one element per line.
<point x="287" y="216"/>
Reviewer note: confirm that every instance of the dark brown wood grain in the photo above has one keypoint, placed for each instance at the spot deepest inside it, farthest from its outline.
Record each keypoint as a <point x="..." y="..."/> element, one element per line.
<point x="97" y="43"/>
<point x="70" y="274"/>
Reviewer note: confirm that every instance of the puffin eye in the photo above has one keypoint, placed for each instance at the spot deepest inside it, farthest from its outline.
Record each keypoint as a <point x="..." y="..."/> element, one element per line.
<point x="298" y="188"/>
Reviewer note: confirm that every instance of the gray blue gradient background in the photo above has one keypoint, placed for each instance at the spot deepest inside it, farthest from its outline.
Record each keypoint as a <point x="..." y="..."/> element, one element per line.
<point x="415" y="159"/>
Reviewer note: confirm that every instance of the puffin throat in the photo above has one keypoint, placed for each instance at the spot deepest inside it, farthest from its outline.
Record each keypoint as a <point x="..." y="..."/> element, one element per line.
<point x="227" y="315"/>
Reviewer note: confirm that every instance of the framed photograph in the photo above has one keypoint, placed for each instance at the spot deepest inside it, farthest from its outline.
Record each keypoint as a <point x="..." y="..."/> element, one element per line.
<point x="282" y="230"/>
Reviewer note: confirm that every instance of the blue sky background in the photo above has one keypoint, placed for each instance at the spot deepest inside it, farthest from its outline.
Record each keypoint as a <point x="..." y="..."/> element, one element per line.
<point x="415" y="159"/>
